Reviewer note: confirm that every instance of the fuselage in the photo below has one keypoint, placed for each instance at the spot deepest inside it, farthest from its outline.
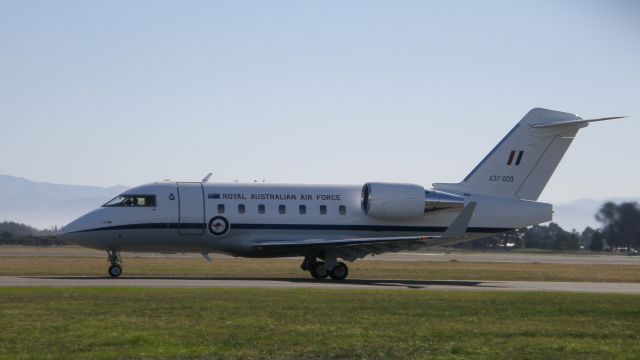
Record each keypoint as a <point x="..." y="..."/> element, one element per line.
<point x="230" y="218"/>
<point x="325" y="223"/>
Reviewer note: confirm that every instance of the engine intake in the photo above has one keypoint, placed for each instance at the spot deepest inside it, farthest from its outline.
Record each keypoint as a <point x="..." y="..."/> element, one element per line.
<point x="405" y="201"/>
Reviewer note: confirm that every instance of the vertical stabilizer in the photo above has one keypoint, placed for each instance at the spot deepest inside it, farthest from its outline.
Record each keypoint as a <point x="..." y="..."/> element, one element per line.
<point x="524" y="160"/>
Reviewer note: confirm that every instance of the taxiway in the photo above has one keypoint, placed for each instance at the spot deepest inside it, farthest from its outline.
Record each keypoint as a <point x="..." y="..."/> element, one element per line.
<point x="182" y="282"/>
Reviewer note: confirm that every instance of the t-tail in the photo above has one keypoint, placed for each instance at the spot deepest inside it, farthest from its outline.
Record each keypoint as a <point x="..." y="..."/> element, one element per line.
<point x="524" y="160"/>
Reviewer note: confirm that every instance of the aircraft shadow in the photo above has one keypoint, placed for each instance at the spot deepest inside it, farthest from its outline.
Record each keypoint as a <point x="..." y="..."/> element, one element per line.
<point x="354" y="283"/>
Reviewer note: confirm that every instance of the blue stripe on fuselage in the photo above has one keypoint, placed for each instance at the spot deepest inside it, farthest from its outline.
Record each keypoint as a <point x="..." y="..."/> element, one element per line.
<point x="270" y="226"/>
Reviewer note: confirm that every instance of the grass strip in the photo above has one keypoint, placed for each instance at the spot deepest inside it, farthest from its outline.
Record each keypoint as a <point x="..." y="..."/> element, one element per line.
<point x="88" y="323"/>
<point x="285" y="268"/>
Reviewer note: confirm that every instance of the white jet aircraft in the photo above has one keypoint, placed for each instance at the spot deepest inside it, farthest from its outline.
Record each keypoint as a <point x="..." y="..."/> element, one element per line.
<point x="326" y="223"/>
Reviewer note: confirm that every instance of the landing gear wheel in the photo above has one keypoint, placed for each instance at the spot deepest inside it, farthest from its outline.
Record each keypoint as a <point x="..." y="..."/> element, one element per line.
<point x="339" y="272"/>
<point x="113" y="256"/>
<point x="115" y="270"/>
<point x="318" y="271"/>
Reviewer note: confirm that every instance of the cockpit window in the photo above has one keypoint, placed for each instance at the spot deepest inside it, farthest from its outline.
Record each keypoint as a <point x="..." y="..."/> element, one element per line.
<point x="132" y="200"/>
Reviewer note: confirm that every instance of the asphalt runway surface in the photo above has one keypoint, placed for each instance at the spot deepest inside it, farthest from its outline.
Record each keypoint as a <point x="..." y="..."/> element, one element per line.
<point x="506" y="257"/>
<point x="264" y="283"/>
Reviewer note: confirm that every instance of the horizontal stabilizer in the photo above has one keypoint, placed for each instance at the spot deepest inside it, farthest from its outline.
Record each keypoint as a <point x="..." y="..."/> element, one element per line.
<point x="573" y="122"/>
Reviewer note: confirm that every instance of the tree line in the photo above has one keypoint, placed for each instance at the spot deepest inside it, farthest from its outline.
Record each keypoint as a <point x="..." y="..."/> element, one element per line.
<point x="620" y="231"/>
<point x="12" y="233"/>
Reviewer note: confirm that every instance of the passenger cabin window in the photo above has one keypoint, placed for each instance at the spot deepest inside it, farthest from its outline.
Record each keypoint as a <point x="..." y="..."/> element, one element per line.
<point x="261" y="209"/>
<point x="342" y="210"/>
<point x="132" y="201"/>
<point x="282" y="209"/>
<point x="323" y="209"/>
<point x="302" y="209"/>
<point x="220" y="208"/>
<point x="241" y="209"/>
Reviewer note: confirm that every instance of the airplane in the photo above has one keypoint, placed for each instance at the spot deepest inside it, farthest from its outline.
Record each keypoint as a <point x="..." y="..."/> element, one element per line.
<point x="329" y="224"/>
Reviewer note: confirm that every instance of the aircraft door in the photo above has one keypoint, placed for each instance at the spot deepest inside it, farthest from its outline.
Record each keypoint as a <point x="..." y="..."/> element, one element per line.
<point x="191" y="209"/>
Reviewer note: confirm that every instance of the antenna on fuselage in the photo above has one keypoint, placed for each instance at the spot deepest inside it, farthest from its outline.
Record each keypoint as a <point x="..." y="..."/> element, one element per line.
<point x="206" y="178"/>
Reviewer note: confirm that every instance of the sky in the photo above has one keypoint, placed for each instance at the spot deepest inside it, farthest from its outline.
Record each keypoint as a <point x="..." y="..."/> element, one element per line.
<point x="128" y="92"/>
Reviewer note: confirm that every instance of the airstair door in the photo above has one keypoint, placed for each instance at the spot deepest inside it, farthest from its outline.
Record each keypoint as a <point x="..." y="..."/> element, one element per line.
<point x="191" y="209"/>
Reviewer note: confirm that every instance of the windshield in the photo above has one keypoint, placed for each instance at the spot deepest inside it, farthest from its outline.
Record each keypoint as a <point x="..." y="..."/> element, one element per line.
<point x="132" y="200"/>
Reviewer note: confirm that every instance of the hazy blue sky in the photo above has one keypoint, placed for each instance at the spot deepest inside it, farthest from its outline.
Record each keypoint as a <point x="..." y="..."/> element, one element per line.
<point x="127" y="92"/>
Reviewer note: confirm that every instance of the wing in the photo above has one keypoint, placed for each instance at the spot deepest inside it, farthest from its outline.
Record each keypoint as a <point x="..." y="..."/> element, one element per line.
<point x="353" y="248"/>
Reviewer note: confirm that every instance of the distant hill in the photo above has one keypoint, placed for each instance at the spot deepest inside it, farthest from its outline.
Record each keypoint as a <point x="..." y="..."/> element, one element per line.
<point x="44" y="205"/>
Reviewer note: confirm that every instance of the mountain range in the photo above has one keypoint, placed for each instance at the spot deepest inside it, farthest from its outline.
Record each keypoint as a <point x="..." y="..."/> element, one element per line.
<point x="45" y="205"/>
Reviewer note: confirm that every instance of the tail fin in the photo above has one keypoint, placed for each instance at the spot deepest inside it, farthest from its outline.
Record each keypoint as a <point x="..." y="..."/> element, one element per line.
<point x="523" y="161"/>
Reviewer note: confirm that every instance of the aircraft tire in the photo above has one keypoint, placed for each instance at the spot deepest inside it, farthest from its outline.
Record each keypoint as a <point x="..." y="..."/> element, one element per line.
<point x="318" y="271"/>
<point x="339" y="272"/>
<point x="115" y="270"/>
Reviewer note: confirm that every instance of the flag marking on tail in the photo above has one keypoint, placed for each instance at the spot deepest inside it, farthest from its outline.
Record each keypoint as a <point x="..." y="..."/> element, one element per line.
<point x="519" y="157"/>
<point x="512" y="155"/>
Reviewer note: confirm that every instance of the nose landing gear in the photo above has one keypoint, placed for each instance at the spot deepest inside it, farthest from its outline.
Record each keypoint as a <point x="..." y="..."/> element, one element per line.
<point x="115" y="270"/>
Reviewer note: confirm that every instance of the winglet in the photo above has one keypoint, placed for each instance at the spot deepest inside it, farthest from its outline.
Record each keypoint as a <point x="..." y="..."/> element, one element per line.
<point x="458" y="227"/>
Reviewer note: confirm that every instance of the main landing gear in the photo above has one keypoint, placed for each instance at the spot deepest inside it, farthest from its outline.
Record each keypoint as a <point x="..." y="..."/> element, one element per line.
<point x="115" y="270"/>
<point x="332" y="268"/>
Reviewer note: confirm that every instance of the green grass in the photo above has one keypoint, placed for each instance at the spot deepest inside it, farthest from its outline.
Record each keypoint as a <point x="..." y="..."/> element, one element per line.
<point x="87" y="323"/>
<point x="286" y="268"/>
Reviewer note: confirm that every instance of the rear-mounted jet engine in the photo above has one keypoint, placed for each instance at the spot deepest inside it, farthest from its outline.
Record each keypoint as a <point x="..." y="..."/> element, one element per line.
<point x="406" y="201"/>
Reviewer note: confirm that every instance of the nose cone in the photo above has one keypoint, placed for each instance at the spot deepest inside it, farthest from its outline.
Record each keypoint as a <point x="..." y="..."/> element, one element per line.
<point x="71" y="233"/>
<point x="75" y="231"/>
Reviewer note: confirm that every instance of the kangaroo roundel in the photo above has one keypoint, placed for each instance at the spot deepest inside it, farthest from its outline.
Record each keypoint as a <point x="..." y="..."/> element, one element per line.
<point x="218" y="225"/>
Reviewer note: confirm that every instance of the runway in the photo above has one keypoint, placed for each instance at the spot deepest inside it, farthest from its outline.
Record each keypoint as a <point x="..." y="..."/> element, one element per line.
<point x="493" y="257"/>
<point x="265" y="283"/>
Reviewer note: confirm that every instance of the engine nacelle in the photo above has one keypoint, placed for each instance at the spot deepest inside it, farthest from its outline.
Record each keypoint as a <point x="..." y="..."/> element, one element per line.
<point x="406" y="201"/>
<point x="393" y="201"/>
